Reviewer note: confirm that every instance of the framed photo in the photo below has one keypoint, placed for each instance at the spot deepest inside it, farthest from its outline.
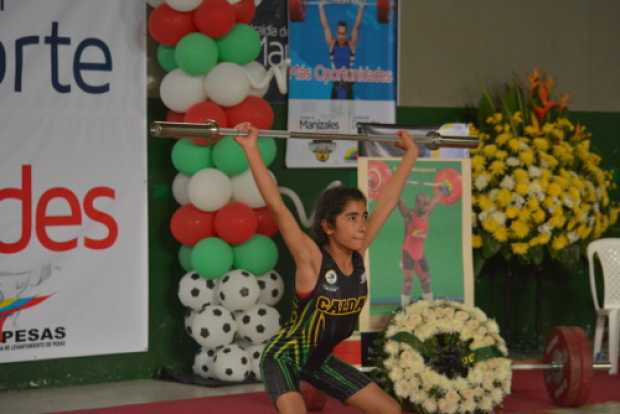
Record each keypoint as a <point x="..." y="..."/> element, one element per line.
<point x="424" y="249"/>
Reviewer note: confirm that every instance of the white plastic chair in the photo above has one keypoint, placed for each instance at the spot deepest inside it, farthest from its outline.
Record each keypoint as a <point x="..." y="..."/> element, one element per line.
<point x="608" y="252"/>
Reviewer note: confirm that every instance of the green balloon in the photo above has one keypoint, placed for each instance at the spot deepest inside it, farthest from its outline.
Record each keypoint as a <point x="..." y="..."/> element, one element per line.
<point x="257" y="255"/>
<point x="196" y="54"/>
<point x="188" y="157"/>
<point x="212" y="257"/>
<point x="228" y="157"/>
<point x="165" y="57"/>
<point x="267" y="148"/>
<point x="241" y="45"/>
<point x="185" y="258"/>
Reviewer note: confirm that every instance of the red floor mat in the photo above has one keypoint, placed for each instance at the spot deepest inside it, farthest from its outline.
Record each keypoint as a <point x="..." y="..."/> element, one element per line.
<point x="528" y="396"/>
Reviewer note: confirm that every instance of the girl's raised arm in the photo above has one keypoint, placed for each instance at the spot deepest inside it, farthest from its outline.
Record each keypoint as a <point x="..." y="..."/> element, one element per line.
<point x="298" y="242"/>
<point x="390" y="195"/>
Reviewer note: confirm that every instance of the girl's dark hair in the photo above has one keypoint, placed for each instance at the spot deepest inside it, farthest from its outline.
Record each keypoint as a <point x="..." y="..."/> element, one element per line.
<point x="331" y="203"/>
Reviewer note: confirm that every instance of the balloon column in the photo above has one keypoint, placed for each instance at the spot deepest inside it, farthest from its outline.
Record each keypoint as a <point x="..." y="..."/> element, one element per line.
<point x="208" y="49"/>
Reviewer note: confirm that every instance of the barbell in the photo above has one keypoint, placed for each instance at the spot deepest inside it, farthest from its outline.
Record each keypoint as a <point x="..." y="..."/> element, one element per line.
<point x="446" y="183"/>
<point x="433" y="139"/>
<point x="567" y="365"/>
<point x="297" y="8"/>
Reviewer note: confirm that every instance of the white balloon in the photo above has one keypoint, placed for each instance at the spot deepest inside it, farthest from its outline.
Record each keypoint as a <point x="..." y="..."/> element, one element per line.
<point x="209" y="189"/>
<point x="259" y="324"/>
<point x="204" y="363"/>
<point x="257" y="73"/>
<point x="179" y="91"/>
<point x="245" y="191"/>
<point x="227" y="84"/>
<point x="179" y="188"/>
<point x="213" y="326"/>
<point x="255" y="352"/>
<point x="195" y="292"/>
<point x="232" y="364"/>
<point x="154" y="3"/>
<point x="184" y="5"/>
<point x="238" y="290"/>
<point x="271" y="288"/>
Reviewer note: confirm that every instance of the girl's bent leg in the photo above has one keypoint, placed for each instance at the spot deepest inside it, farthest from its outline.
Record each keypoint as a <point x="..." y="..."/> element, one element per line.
<point x="291" y="403"/>
<point x="373" y="400"/>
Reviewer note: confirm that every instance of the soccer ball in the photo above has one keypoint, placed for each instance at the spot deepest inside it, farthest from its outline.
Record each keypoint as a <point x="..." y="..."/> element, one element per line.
<point x="189" y="317"/>
<point x="238" y="290"/>
<point x="271" y="288"/>
<point x="255" y="352"/>
<point x="259" y="324"/>
<point x="213" y="326"/>
<point x="204" y="362"/>
<point x="196" y="292"/>
<point x="232" y="364"/>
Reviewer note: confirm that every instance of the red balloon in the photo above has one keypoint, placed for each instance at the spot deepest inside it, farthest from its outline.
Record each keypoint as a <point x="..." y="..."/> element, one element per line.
<point x="190" y="225"/>
<point x="167" y="26"/>
<point x="203" y="111"/>
<point x="215" y="18"/>
<point x="235" y="223"/>
<point x="253" y="109"/>
<point x="245" y="11"/>
<point x="266" y="224"/>
<point x="172" y="116"/>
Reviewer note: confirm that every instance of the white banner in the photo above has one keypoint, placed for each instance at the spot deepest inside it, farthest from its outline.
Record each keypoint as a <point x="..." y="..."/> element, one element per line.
<point x="73" y="206"/>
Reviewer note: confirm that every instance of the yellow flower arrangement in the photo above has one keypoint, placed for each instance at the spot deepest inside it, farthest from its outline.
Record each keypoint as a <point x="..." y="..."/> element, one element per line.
<point x="537" y="188"/>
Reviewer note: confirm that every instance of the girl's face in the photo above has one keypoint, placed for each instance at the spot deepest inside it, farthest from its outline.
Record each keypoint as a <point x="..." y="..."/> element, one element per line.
<point x="350" y="226"/>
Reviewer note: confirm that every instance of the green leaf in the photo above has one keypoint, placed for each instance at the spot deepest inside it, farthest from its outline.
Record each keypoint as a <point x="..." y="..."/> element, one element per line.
<point x="537" y="254"/>
<point x="511" y="99"/>
<point x="522" y="102"/>
<point x="482" y="354"/>
<point x="411" y="340"/>
<point x="511" y="105"/>
<point x="479" y="262"/>
<point x="490" y="246"/>
<point x="486" y="108"/>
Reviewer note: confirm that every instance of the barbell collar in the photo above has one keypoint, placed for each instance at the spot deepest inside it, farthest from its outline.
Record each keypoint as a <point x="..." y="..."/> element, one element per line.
<point x="532" y="367"/>
<point x="182" y="129"/>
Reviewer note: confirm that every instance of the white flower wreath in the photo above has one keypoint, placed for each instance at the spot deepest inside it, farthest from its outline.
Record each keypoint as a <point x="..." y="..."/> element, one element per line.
<point x="444" y="357"/>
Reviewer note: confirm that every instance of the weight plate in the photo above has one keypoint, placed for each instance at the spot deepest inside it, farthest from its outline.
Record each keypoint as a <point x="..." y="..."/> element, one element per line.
<point x="562" y="347"/>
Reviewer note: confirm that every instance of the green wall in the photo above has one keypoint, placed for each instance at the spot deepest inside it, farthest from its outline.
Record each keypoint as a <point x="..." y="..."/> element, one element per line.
<point x="171" y="348"/>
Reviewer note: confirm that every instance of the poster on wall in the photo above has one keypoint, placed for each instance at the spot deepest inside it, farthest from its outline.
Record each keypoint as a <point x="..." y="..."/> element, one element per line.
<point x="271" y="22"/>
<point x="424" y="249"/>
<point x="343" y="71"/>
<point x="73" y="205"/>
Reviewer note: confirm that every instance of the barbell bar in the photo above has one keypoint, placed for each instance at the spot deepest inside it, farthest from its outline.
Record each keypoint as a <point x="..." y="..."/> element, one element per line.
<point x="177" y="130"/>
<point x="533" y="367"/>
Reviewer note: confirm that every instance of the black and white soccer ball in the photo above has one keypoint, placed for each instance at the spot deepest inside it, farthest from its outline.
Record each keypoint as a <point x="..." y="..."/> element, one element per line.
<point x="189" y="317"/>
<point x="259" y="324"/>
<point x="213" y="326"/>
<point x="204" y="363"/>
<point x="271" y="288"/>
<point x="196" y="292"/>
<point x="255" y="352"/>
<point x="232" y="364"/>
<point x="238" y="290"/>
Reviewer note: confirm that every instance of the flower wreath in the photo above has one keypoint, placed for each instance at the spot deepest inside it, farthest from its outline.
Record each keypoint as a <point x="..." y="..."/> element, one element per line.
<point x="443" y="357"/>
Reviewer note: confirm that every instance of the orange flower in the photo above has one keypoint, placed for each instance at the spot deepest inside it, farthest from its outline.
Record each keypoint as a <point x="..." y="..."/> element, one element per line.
<point x="534" y="79"/>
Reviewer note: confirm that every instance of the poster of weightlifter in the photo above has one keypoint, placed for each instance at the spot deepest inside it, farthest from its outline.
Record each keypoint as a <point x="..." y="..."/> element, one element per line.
<point x="424" y="249"/>
<point x="343" y="71"/>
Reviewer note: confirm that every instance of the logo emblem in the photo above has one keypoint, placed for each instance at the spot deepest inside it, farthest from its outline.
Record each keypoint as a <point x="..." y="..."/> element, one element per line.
<point x="331" y="277"/>
<point x="14" y="288"/>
